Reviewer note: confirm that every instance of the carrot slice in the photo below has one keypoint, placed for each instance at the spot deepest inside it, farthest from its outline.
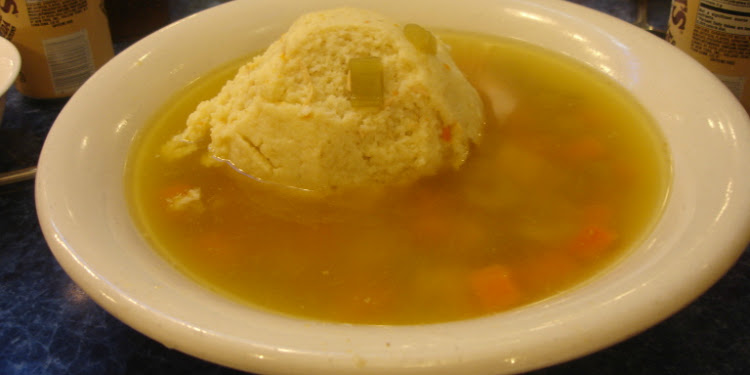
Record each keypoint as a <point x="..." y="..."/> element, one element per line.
<point x="445" y="134"/>
<point x="494" y="288"/>
<point x="584" y="148"/>
<point x="592" y="241"/>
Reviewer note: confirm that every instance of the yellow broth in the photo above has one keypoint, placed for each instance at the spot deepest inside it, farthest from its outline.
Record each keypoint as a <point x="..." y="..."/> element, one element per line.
<point x="570" y="173"/>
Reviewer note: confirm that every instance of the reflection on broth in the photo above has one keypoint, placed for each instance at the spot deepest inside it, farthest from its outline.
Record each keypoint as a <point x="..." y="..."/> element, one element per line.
<point x="569" y="174"/>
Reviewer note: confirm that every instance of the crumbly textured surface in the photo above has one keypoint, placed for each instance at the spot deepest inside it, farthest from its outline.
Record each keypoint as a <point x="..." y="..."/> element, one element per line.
<point x="189" y="200"/>
<point x="287" y="117"/>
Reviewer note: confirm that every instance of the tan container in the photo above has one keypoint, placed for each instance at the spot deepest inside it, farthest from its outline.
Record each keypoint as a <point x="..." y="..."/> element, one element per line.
<point x="62" y="43"/>
<point x="717" y="34"/>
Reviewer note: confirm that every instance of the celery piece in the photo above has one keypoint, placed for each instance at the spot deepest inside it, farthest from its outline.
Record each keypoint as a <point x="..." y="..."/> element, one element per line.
<point x="366" y="81"/>
<point x="422" y="39"/>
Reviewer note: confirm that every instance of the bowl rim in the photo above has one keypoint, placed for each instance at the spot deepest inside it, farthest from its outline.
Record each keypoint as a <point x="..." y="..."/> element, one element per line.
<point x="274" y="347"/>
<point x="10" y="64"/>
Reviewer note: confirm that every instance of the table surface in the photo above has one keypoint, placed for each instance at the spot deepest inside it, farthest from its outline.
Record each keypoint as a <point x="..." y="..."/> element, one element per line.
<point x="48" y="325"/>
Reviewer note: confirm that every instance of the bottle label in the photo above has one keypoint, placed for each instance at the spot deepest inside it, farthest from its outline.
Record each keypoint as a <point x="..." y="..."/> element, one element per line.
<point x="54" y="13"/>
<point x="717" y="34"/>
<point x="70" y="60"/>
<point x="62" y="43"/>
<point x="735" y="84"/>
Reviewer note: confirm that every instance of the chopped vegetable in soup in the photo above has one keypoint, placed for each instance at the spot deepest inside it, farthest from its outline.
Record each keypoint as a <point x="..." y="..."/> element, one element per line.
<point x="570" y="173"/>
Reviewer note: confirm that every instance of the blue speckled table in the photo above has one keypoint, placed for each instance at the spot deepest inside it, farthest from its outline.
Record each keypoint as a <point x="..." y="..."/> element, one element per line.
<point x="49" y="326"/>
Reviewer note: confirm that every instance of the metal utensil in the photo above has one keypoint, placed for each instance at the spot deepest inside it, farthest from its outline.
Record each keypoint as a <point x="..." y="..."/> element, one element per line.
<point x="641" y="20"/>
<point x="17" y="176"/>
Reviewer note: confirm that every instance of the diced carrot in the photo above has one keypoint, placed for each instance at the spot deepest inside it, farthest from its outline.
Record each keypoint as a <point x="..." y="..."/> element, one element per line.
<point x="494" y="288"/>
<point x="625" y="172"/>
<point x="584" y="148"/>
<point x="592" y="241"/>
<point x="445" y="134"/>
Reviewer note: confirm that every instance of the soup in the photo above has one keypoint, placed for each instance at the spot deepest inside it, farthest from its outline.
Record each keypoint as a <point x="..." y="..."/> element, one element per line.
<point x="570" y="173"/>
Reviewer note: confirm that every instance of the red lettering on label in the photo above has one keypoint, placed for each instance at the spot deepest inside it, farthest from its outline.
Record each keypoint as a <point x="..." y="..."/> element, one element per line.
<point x="9" y="6"/>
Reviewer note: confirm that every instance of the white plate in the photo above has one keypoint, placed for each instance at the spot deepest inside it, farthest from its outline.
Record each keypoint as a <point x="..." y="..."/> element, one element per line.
<point x="84" y="216"/>
<point x="10" y="66"/>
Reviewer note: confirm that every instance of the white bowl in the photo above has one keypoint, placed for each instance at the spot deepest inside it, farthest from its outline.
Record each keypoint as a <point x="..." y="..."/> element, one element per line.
<point x="10" y="66"/>
<point x="84" y="216"/>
